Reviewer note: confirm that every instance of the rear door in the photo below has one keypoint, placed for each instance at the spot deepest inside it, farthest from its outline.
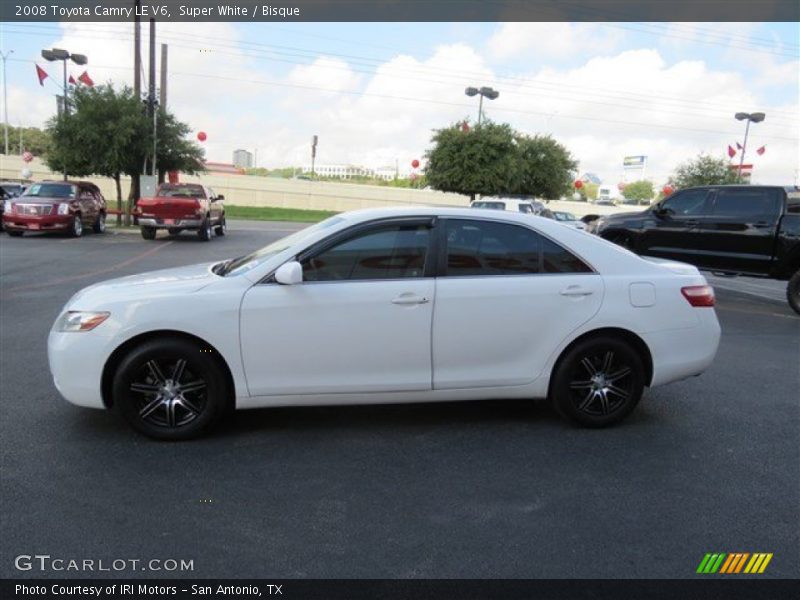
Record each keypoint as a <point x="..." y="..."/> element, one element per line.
<point x="739" y="234"/>
<point x="675" y="231"/>
<point x="88" y="204"/>
<point x="506" y="296"/>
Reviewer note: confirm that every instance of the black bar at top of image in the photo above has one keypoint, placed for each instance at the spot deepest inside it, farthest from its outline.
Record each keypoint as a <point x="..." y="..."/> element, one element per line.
<point x="701" y="588"/>
<point x="404" y="10"/>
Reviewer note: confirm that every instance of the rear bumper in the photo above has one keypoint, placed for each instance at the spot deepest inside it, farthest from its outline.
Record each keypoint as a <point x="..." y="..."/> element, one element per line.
<point x="681" y="353"/>
<point x="37" y="222"/>
<point x="182" y="222"/>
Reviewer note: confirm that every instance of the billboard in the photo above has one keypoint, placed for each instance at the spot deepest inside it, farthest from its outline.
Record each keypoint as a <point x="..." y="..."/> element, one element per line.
<point x="634" y="162"/>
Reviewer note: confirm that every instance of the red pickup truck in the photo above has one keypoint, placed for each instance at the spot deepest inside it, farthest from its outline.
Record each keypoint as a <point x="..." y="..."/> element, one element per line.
<point x="179" y="206"/>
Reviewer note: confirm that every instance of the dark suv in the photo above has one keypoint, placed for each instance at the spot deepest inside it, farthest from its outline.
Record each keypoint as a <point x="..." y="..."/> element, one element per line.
<point x="63" y="206"/>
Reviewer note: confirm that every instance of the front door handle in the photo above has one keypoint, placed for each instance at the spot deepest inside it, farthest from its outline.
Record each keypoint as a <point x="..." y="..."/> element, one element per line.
<point x="575" y="291"/>
<point x="407" y="299"/>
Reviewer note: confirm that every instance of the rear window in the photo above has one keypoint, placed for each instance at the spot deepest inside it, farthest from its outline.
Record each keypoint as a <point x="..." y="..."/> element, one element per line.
<point x="746" y="203"/>
<point x="187" y="190"/>
<point x="50" y="190"/>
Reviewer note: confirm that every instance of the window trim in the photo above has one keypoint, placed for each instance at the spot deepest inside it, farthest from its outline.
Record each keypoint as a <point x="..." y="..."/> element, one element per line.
<point x="707" y="204"/>
<point x="715" y="194"/>
<point x="441" y="263"/>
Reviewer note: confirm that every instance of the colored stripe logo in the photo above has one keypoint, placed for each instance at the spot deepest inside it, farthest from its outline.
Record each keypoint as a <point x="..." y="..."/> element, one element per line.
<point x="734" y="563"/>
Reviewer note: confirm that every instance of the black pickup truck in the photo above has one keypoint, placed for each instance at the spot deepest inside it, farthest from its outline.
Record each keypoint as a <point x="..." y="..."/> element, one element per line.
<point x="733" y="229"/>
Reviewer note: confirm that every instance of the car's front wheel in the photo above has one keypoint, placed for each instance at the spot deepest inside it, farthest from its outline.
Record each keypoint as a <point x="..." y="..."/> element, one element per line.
<point x="222" y="227"/>
<point x="793" y="292"/>
<point x="76" y="228"/>
<point x="598" y="382"/>
<point x="100" y="223"/>
<point x="204" y="233"/>
<point x="148" y="233"/>
<point x="170" y="389"/>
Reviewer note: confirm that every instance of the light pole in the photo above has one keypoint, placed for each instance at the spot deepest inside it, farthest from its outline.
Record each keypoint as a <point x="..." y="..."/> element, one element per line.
<point x="750" y="118"/>
<point x="64" y="56"/>
<point x="5" y="98"/>
<point x="484" y="92"/>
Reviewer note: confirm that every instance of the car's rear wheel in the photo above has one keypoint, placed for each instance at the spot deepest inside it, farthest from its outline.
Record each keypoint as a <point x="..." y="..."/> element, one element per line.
<point x="174" y="230"/>
<point x="598" y="382"/>
<point x="170" y="389"/>
<point x="15" y="233"/>
<point x="793" y="292"/>
<point x="100" y="223"/>
<point x="76" y="227"/>
<point x="222" y="228"/>
<point x="148" y="233"/>
<point x="204" y="233"/>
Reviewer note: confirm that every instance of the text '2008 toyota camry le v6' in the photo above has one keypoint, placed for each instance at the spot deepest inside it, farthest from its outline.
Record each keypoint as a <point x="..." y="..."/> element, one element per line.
<point x="389" y="305"/>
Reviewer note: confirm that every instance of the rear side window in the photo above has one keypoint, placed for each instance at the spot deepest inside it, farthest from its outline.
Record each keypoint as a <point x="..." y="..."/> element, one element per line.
<point x="688" y="203"/>
<point x="493" y="205"/>
<point x="747" y="203"/>
<point x="394" y="252"/>
<point x="482" y="248"/>
<point x="526" y="208"/>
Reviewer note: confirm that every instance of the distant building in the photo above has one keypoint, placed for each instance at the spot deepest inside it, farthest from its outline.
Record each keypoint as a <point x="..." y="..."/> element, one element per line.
<point x="223" y="168"/>
<point x="387" y="173"/>
<point x="340" y="171"/>
<point x="243" y="159"/>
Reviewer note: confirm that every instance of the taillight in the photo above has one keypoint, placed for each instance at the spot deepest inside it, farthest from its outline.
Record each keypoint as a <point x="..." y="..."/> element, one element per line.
<point x="699" y="295"/>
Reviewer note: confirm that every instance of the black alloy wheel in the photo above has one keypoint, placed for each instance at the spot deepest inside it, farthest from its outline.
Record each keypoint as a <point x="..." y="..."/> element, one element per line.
<point x="100" y="223"/>
<point x="76" y="229"/>
<point x="204" y="233"/>
<point x="222" y="228"/>
<point x="170" y="389"/>
<point x="598" y="382"/>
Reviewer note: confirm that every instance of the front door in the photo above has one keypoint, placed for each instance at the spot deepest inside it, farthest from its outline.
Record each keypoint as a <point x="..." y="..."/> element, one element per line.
<point x="359" y="322"/>
<point x="675" y="231"/>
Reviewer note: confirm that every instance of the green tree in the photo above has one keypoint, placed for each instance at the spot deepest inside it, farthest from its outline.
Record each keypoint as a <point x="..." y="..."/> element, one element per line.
<point x="703" y="170"/>
<point x="641" y="191"/>
<point x="588" y="191"/>
<point x="27" y="139"/>
<point x="546" y="168"/>
<point x="483" y="160"/>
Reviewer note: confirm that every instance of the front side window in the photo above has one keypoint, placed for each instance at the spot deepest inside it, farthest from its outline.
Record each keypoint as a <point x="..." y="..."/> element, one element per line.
<point x="391" y="252"/>
<point x="688" y="203"/>
<point x="746" y="203"/>
<point x="481" y="248"/>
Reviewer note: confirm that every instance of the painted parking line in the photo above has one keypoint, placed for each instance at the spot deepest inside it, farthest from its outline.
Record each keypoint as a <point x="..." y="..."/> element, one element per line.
<point x="111" y="269"/>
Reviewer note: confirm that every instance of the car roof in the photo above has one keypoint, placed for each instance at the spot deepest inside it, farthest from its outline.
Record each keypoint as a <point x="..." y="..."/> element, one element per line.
<point x="734" y="186"/>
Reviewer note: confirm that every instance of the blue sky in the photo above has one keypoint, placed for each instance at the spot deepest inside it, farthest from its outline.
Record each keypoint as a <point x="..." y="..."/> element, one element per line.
<point x="374" y="91"/>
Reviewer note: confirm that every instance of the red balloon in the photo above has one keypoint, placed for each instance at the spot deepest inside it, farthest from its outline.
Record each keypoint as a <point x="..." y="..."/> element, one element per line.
<point x="27" y="156"/>
<point x="415" y="163"/>
<point x="578" y="184"/>
<point x="202" y="136"/>
<point x="667" y="190"/>
<point x="620" y="186"/>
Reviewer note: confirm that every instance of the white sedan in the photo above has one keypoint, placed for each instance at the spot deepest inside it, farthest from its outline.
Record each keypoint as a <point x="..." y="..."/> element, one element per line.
<point x="387" y="306"/>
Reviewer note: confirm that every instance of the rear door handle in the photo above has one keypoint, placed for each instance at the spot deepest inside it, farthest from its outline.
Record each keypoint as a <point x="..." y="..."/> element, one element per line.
<point x="575" y="291"/>
<point x="406" y="299"/>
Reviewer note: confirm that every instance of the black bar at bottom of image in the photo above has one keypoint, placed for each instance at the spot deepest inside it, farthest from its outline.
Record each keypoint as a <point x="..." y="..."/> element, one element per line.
<point x="388" y="589"/>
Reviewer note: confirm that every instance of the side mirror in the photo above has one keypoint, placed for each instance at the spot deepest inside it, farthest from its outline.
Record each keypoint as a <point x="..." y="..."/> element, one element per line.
<point x="290" y="273"/>
<point x="220" y="197"/>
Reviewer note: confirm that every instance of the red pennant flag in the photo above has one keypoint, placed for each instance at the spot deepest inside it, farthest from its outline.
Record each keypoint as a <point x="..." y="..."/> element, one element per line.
<point x="72" y="80"/>
<point x="738" y="146"/>
<point x="731" y="151"/>
<point x="41" y="74"/>
<point x="84" y="78"/>
<point x="761" y="150"/>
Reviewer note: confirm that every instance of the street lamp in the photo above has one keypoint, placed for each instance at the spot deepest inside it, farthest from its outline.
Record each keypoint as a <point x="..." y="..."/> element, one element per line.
<point x="5" y="98"/>
<point x="64" y="56"/>
<point x="484" y="92"/>
<point x="750" y="118"/>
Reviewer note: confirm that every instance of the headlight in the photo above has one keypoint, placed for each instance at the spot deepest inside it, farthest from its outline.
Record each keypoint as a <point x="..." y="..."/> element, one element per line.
<point x="63" y="208"/>
<point x="78" y="320"/>
<point x="8" y="206"/>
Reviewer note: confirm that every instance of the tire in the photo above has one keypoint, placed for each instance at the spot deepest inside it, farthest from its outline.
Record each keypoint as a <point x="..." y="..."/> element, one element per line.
<point x="174" y="230"/>
<point x="204" y="233"/>
<point x="222" y="228"/>
<point x="167" y="389"/>
<point x="99" y="225"/>
<point x="148" y="233"/>
<point x="793" y="292"/>
<point x="14" y="233"/>
<point x="597" y="382"/>
<point x="76" y="229"/>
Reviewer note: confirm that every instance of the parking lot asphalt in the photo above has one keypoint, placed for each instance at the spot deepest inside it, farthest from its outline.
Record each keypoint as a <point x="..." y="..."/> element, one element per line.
<point x="481" y="489"/>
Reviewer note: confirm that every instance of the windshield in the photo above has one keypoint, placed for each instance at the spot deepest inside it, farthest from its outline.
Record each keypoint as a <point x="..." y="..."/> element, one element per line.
<point x="181" y="191"/>
<point x="11" y="189"/>
<point x="50" y="190"/>
<point x="240" y="265"/>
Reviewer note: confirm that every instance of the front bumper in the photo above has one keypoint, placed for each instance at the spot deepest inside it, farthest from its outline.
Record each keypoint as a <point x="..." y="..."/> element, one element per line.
<point x="181" y="222"/>
<point x="76" y="362"/>
<point x="18" y="222"/>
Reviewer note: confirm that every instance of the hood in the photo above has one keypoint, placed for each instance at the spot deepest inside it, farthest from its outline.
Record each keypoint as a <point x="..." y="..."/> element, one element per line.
<point x="39" y="200"/>
<point x="622" y="215"/>
<point x="165" y="282"/>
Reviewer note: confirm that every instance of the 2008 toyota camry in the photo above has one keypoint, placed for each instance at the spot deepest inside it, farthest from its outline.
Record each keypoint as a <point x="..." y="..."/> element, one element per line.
<point x="389" y="305"/>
